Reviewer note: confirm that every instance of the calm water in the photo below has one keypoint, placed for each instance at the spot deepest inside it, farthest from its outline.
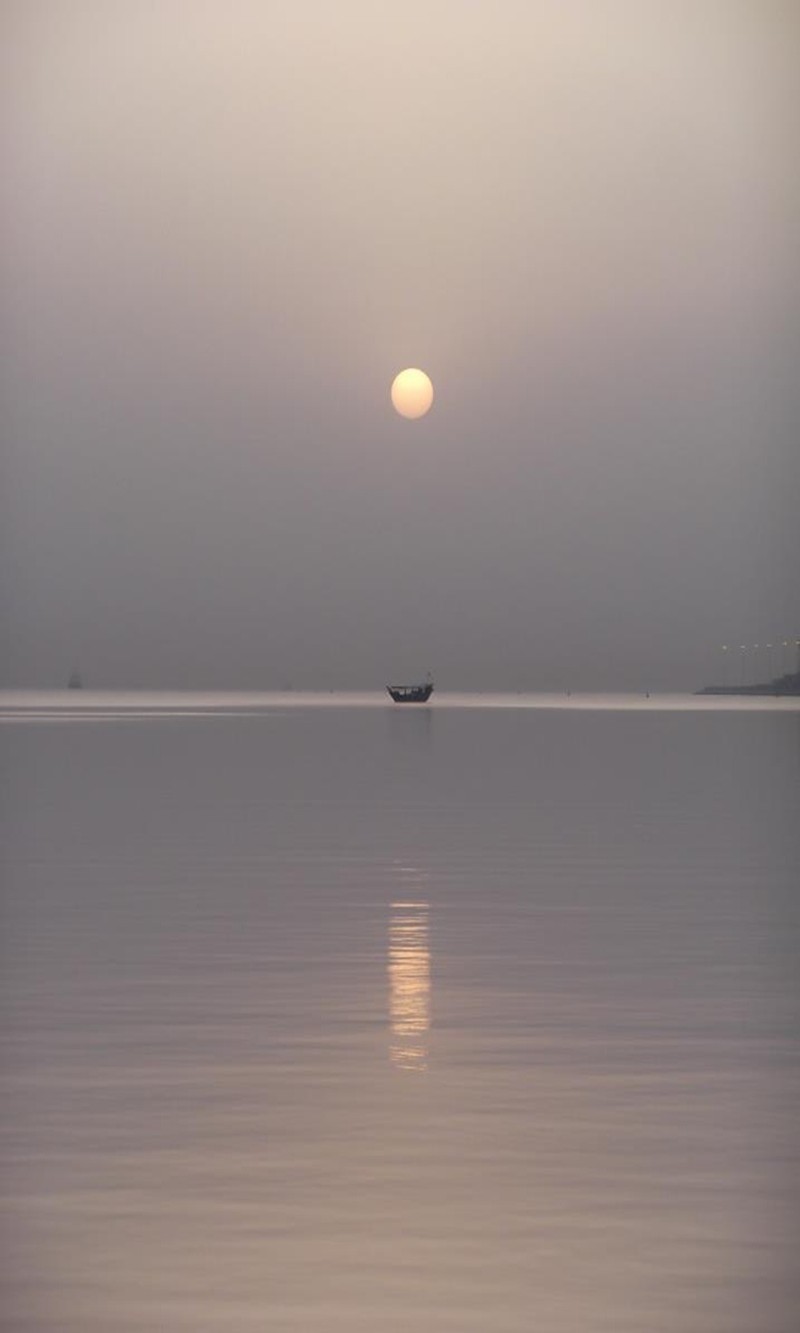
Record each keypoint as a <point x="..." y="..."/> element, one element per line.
<point x="350" y="1018"/>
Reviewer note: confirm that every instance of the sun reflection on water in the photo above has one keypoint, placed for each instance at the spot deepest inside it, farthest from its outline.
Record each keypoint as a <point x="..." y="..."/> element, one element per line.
<point x="409" y="985"/>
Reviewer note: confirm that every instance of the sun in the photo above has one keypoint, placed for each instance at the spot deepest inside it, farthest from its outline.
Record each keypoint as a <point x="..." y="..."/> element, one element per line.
<point x="412" y="393"/>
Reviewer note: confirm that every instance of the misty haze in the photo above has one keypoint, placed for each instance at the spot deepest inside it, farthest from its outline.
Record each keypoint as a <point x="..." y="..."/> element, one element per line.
<point x="400" y="428"/>
<point x="228" y="227"/>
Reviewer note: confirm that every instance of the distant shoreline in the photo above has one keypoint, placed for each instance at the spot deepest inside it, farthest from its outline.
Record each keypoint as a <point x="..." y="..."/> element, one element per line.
<point x="781" y="687"/>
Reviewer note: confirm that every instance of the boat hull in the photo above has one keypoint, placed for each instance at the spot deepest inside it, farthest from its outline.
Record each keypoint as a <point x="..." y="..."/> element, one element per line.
<point x="411" y="694"/>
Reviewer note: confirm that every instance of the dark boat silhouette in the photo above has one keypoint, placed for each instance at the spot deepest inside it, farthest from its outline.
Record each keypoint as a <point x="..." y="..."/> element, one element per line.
<point x="75" y="682"/>
<point x="411" y="694"/>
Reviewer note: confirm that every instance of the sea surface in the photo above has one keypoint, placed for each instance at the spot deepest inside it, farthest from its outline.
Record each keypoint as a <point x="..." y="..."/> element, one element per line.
<point x="325" y="1015"/>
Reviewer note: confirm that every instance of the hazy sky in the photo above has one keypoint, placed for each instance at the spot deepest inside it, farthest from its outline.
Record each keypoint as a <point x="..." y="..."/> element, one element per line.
<point x="228" y="224"/>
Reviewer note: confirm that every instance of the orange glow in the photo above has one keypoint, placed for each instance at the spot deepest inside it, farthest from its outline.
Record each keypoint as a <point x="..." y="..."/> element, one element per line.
<point x="409" y="985"/>
<point x="412" y="393"/>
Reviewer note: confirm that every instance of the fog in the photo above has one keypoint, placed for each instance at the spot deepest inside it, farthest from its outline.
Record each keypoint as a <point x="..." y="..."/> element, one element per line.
<point x="227" y="227"/>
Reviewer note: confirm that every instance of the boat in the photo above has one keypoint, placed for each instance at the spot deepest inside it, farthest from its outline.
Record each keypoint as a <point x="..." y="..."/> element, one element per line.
<point x="75" y="682"/>
<point x="412" y="694"/>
